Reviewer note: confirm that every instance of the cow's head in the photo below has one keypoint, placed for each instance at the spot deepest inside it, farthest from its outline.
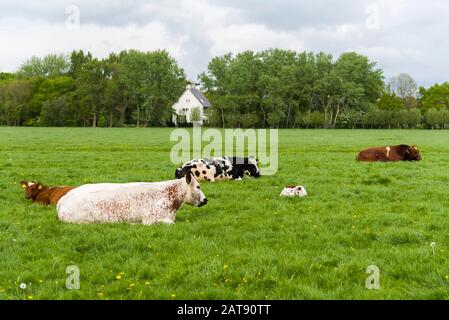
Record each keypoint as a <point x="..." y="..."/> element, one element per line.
<point x="32" y="188"/>
<point x="412" y="154"/>
<point x="251" y="167"/>
<point x="194" y="195"/>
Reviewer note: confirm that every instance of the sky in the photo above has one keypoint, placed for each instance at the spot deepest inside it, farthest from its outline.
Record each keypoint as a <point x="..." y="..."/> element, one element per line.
<point x="399" y="35"/>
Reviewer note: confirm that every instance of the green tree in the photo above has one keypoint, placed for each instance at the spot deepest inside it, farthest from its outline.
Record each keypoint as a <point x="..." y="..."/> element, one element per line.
<point x="390" y="101"/>
<point x="406" y="88"/>
<point x="90" y="87"/>
<point x="443" y="118"/>
<point x="317" y="119"/>
<point x="77" y="61"/>
<point x="52" y="65"/>
<point x="14" y="100"/>
<point x="432" y="118"/>
<point x="249" y="120"/>
<point x="153" y="82"/>
<point x="55" y="112"/>
<point x="115" y="100"/>
<point x="4" y="76"/>
<point x="353" y="81"/>
<point x="195" y="115"/>
<point x="48" y="90"/>
<point x="435" y="97"/>
<point x="414" y="118"/>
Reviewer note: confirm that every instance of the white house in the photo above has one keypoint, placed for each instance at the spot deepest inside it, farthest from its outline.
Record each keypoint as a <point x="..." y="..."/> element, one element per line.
<point x="191" y="98"/>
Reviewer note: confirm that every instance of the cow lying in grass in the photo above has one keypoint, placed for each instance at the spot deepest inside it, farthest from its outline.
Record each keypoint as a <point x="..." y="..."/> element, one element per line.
<point x="140" y="202"/>
<point x="220" y="168"/>
<point x="294" y="191"/>
<point x="39" y="193"/>
<point x="390" y="153"/>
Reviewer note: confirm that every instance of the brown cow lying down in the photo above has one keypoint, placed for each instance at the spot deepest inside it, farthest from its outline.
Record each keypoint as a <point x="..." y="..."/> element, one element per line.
<point x="39" y="193"/>
<point x="139" y="202"/>
<point x="390" y="153"/>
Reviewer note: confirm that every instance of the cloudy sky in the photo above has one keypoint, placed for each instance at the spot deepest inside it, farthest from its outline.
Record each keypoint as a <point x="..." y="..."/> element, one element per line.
<point x="400" y="35"/>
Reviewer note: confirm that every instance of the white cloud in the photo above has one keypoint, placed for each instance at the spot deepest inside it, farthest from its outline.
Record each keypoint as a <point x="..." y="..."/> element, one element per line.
<point x="40" y="38"/>
<point x="401" y="35"/>
<point x="238" y="38"/>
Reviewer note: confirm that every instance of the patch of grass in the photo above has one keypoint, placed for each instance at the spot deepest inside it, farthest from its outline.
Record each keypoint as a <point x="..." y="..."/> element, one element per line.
<point x="247" y="243"/>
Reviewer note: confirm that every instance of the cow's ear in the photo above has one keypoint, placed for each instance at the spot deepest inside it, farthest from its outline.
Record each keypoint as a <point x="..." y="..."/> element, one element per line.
<point x="23" y="184"/>
<point x="39" y="186"/>
<point x="189" y="177"/>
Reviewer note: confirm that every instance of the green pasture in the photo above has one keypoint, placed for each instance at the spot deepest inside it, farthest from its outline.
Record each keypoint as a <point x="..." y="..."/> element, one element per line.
<point x="247" y="243"/>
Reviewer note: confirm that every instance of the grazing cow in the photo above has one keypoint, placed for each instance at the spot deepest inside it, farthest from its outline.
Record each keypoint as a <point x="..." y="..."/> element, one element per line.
<point x="220" y="168"/>
<point x="140" y="202"/>
<point x="390" y="153"/>
<point x="294" y="191"/>
<point x="39" y="193"/>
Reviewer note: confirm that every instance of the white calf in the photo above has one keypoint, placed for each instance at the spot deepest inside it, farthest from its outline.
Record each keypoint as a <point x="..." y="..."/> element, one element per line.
<point x="294" y="191"/>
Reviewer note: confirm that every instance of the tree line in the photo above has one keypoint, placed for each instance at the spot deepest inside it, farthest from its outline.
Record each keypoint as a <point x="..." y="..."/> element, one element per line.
<point x="272" y="88"/>
<point x="131" y="87"/>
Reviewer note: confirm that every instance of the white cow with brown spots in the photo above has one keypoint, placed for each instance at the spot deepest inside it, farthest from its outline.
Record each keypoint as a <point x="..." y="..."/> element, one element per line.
<point x="140" y="202"/>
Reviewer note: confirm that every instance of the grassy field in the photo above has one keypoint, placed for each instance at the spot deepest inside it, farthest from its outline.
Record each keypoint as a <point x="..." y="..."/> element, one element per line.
<point x="247" y="243"/>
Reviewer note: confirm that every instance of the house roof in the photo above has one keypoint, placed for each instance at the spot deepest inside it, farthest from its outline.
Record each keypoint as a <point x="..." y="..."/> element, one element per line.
<point x="201" y="98"/>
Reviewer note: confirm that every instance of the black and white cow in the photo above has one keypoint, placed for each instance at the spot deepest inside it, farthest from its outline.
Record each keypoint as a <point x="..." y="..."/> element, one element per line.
<point x="220" y="168"/>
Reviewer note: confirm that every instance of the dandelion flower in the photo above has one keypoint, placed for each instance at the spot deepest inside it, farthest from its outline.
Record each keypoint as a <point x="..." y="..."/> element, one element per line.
<point x="173" y="296"/>
<point x="30" y="297"/>
<point x="23" y="286"/>
<point x="118" y="277"/>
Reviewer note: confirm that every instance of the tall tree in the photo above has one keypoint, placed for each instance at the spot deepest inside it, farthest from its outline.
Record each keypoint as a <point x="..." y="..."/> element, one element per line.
<point x="48" y="90"/>
<point x="153" y="81"/>
<point x="437" y="97"/>
<point x="90" y="86"/>
<point x="52" y="65"/>
<point x="406" y="88"/>
<point x="77" y="60"/>
<point x="14" y="98"/>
